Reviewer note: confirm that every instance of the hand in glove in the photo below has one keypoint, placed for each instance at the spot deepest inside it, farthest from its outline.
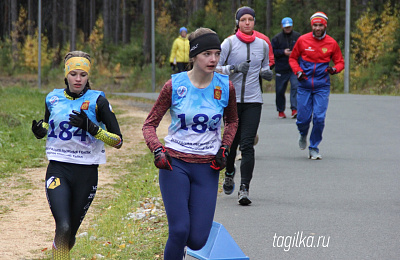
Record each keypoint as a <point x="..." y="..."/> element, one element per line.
<point x="38" y="130"/>
<point x="331" y="70"/>
<point x="80" y="119"/>
<point x="242" y="67"/>
<point x="267" y="75"/>
<point x="162" y="159"/>
<point x="301" y="76"/>
<point x="219" y="162"/>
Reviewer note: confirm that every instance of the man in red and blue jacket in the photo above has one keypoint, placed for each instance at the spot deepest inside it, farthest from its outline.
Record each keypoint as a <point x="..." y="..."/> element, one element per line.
<point x="310" y="62"/>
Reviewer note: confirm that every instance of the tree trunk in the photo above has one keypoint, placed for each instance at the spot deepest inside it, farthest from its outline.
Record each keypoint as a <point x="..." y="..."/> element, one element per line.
<point x="65" y="22"/>
<point x="147" y="30"/>
<point x="54" y="24"/>
<point x="235" y="6"/>
<point x="117" y="18"/>
<point x="106" y="20"/>
<point x="197" y="5"/>
<point x="269" y="17"/>
<point x="86" y="22"/>
<point x="30" y="20"/>
<point x="124" y="38"/>
<point x="14" y="33"/>
<point x="55" y="35"/>
<point x="189" y="8"/>
<point x="73" y="26"/>
<point x="128" y="22"/>
<point x="92" y="14"/>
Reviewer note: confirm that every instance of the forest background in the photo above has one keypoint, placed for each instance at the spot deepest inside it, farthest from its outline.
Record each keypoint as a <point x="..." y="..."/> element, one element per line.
<point x="117" y="34"/>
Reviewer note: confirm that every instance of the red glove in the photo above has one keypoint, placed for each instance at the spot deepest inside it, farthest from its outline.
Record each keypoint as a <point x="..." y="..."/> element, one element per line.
<point x="162" y="159"/>
<point x="331" y="70"/>
<point x="221" y="157"/>
<point x="301" y="76"/>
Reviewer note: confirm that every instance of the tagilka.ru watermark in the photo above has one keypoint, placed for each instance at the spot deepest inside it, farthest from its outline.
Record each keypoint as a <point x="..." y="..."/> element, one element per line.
<point x="299" y="239"/>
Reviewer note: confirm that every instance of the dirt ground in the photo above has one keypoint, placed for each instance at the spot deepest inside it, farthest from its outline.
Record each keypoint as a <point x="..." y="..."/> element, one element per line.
<point x="27" y="226"/>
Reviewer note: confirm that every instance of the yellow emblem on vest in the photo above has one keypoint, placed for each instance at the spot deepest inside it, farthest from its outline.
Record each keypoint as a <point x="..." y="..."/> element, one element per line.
<point x="324" y="50"/>
<point x="217" y="93"/>
<point x="85" y="105"/>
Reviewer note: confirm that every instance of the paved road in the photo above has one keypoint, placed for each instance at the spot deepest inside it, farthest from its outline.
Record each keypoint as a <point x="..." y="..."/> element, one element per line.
<point x="349" y="200"/>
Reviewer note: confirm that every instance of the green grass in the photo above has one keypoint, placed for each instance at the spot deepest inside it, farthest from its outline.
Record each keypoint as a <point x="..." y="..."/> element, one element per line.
<point x="19" y="148"/>
<point x="116" y="234"/>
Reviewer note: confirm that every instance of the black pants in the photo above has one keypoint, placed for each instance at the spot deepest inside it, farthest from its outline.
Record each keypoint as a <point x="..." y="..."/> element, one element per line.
<point x="249" y="119"/>
<point x="182" y="66"/>
<point x="70" y="190"/>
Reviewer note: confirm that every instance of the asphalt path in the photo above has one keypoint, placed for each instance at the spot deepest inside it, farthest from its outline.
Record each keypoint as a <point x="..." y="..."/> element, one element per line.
<point x="345" y="206"/>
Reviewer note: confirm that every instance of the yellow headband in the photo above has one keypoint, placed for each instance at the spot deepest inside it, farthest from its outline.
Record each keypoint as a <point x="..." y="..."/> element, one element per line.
<point x="77" y="63"/>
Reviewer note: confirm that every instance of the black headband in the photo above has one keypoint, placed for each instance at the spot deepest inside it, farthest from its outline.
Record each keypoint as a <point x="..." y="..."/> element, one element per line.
<point x="208" y="41"/>
<point x="244" y="10"/>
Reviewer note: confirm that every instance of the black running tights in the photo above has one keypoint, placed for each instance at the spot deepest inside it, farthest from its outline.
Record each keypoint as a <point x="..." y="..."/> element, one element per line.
<point x="70" y="190"/>
<point x="249" y="119"/>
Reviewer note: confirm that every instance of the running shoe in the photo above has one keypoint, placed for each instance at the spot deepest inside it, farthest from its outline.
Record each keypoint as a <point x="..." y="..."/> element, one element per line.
<point x="303" y="142"/>
<point x="229" y="183"/>
<point x="294" y="113"/>
<point x="243" y="195"/>
<point x="314" y="155"/>
<point x="281" y="114"/>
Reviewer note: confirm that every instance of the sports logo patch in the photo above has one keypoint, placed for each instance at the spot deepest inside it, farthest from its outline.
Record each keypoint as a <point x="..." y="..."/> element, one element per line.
<point x="324" y="50"/>
<point x="54" y="100"/>
<point x="182" y="91"/>
<point x="53" y="183"/>
<point x="85" y="105"/>
<point x="217" y="93"/>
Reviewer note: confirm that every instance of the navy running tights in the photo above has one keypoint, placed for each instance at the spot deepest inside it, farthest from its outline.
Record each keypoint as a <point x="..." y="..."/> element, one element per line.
<point x="189" y="193"/>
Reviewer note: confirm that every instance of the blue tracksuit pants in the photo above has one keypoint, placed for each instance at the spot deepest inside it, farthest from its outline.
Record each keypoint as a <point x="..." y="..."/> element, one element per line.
<point x="281" y="83"/>
<point x="312" y="104"/>
<point x="189" y="193"/>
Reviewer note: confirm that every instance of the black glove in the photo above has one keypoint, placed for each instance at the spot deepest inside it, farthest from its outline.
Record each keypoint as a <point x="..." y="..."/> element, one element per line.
<point x="301" y="76"/>
<point x="80" y="119"/>
<point x="267" y="75"/>
<point x="38" y="130"/>
<point x="162" y="159"/>
<point x="331" y="70"/>
<point x="221" y="157"/>
<point x="242" y="67"/>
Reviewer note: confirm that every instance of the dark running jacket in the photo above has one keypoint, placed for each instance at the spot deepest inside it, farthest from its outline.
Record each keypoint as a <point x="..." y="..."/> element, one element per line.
<point x="280" y="42"/>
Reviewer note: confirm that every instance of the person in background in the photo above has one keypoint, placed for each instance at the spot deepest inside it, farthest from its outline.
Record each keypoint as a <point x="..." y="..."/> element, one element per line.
<point x="310" y="60"/>
<point x="199" y="101"/>
<point x="283" y="44"/>
<point x="180" y="51"/>
<point x="244" y="57"/>
<point x="75" y="122"/>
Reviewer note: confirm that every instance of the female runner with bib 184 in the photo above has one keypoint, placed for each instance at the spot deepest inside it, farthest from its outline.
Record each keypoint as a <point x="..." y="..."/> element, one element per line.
<point x="77" y="122"/>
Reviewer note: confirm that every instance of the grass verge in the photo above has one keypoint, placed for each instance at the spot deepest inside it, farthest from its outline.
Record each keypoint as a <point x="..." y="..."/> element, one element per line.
<point x="19" y="148"/>
<point x="130" y="225"/>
